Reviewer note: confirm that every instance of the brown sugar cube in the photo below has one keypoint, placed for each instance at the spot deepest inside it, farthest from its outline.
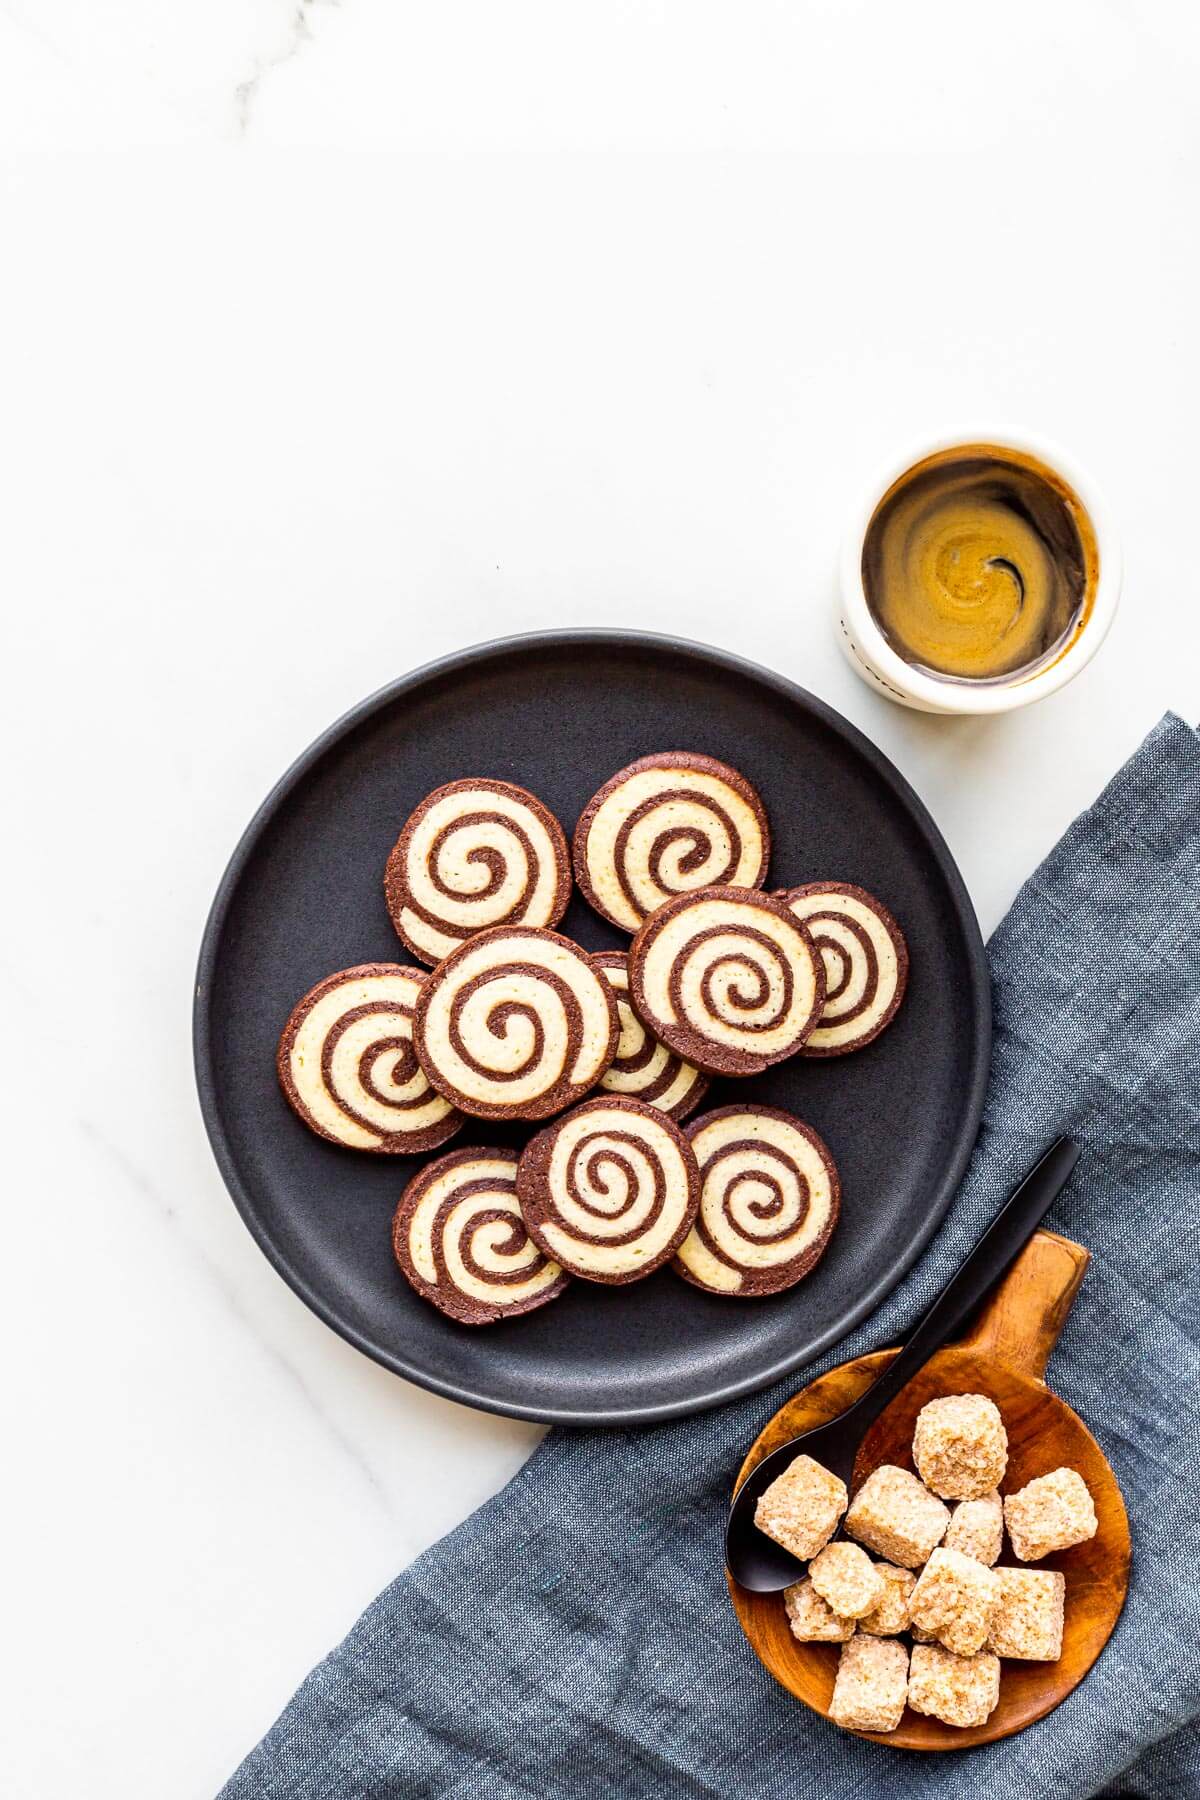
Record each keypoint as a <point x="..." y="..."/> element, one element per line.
<point x="802" y="1507"/>
<point x="977" y="1529"/>
<point x="1052" y="1513"/>
<point x="960" y="1446"/>
<point x="871" y="1685"/>
<point x="896" y="1517"/>
<point x="1027" y="1622"/>
<point x="958" y="1690"/>
<point x="811" y="1620"/>
<point x="954" y="1598"/>
<point x="847" y="1579"/>
<point x="890" y="1617"/>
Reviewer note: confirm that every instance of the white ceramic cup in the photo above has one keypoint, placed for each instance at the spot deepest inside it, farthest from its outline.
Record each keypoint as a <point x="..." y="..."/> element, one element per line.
<point x="872" y="657"/>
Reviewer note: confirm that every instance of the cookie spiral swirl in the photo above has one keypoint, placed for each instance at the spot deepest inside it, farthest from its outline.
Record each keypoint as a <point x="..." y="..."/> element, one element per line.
<point x="643" y="1069"/>
<point x="347" y="1065"/>
<point x="769" y="1201"/>
<point x="516" y="1024"/>
<point x="865" y="959"/>
<point x="610" y="1191"/>
<point x="728" y="979"/>
<point x="668" y="824"/>
<point x="460" y="1240"/>
<point x="475" y="854"/>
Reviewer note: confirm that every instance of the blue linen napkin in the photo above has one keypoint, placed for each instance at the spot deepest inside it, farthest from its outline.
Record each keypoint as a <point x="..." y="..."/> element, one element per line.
<point x="574" y="1637"/>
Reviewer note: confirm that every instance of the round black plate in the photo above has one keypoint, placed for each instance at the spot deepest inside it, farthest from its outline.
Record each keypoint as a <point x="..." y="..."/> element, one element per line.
<point x="559" y="713"/>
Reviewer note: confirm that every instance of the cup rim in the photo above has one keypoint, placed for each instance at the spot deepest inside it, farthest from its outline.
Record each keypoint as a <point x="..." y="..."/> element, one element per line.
<point x="1005" y="695"/>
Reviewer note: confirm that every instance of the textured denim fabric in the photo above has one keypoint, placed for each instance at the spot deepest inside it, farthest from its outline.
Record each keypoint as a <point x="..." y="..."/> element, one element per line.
<point x="574" y="1637"/>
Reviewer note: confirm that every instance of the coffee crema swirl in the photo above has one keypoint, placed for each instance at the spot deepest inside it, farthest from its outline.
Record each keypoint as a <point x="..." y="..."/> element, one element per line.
<point x="979" y="563"/>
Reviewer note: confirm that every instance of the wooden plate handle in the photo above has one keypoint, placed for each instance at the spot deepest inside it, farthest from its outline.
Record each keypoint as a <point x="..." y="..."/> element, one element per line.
<point x="1021" y="1321"/>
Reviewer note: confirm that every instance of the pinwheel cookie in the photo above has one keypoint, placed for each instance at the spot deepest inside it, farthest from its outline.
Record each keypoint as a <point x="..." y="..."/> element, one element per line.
<point x="460" y="1240"/>
<point x="643" y="1069"/>
<point x="473" y="855"/>
<point x="347" y="1065"/>
<point x="611" y="1190"/>
<point x="769" y="1199"/>
<point x="865" y="959"/>
<point x="669" y="824"/>
<point x="516" y="1024"/>
<point x="728" y="979"/>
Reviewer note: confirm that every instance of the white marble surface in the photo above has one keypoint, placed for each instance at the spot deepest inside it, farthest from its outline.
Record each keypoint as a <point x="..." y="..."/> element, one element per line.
<point x="328" y="343"/>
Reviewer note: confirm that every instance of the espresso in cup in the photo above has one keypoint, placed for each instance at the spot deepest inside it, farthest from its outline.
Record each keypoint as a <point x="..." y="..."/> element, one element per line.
<point x="979" y="565"/>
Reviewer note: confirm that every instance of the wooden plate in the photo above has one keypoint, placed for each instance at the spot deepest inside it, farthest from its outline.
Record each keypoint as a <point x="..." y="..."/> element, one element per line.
<point x="1004" y="1356"/>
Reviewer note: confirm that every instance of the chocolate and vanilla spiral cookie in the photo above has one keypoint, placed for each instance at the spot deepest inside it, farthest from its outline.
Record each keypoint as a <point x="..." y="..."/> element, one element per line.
<point x="865" y="958"/>
<point x="611" y="1191"/>
<point x="769" y="1199"/>
<point x="347" y="1065"/>
<point x="459" y="1237"/>
<point x="669" y="824"/>
<point x="728" y="979"/>
<point x="644" y="1069"/>
<point x="516" y="1024"/>
<point x="473" y="855"/>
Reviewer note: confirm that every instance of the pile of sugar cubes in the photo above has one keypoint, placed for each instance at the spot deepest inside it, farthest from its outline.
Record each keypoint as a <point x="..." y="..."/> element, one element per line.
<point x="962" y="1613"/>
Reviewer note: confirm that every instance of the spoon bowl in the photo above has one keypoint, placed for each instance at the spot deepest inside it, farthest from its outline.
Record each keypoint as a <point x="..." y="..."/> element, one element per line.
<point x="1004" y="1357"/>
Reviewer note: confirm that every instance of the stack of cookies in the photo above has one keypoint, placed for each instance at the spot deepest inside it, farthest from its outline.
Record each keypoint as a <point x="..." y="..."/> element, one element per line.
<point x="510" y="1020"/>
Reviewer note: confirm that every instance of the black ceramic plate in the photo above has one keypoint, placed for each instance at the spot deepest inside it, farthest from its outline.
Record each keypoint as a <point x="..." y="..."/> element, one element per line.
<point x="559" y="713"/>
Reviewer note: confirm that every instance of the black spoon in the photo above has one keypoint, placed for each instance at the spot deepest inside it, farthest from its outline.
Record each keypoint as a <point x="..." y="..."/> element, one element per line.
<point x="754" y="1560"/>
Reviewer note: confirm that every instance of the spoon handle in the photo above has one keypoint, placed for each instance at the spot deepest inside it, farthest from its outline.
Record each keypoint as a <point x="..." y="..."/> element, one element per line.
<point x="995" y="1252"/>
